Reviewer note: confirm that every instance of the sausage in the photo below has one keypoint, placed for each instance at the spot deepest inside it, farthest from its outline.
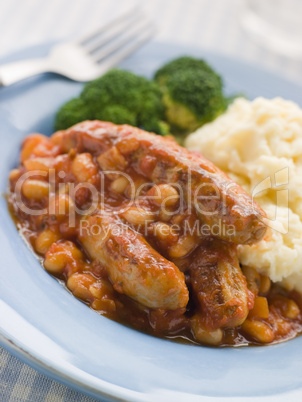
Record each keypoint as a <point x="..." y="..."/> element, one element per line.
<point x="133" y="266"/>
<point x="219" y="201"/>
<point x="219" y="286"/>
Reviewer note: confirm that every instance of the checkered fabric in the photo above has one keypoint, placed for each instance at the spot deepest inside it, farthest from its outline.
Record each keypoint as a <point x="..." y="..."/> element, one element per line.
<point x="19" y="382"/>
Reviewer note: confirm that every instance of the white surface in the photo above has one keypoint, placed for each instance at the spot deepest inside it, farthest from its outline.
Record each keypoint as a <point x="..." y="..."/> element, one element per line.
<point x="210" y="24"/>
<point x="276" y="24"/>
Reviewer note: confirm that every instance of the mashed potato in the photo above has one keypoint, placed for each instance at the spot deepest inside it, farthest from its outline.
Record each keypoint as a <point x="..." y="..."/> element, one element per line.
<point x="259" y="145"/>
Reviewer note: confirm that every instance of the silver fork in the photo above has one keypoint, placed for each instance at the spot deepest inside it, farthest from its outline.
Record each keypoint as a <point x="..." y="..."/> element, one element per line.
<point x="89" y="57"/>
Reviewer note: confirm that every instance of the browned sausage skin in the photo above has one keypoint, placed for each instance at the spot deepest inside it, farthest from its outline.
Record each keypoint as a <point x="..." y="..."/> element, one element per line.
<point x="218" y="200"/>
<point x="133" y="266"/>
<point x="219" y="286"/>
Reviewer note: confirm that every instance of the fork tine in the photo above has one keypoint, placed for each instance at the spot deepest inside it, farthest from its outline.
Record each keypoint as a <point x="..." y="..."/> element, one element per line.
<point x="125" y="51"/>
<point x="114" y="31"/>
<point x="129" y="15"/>
<point x="101" y="51"/>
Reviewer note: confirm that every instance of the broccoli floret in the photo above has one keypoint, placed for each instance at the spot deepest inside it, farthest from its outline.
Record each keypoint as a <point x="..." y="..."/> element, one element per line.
<point x="71" y="113"/>
<point x="181" y="64"/>
<point x="117" y="87"/>
<point x="120" y="97"/>
<point x="116" y="114"/>
<point x="156" y="126"/>
<point x="192" y="93"/>
<point x="140" y="99"/>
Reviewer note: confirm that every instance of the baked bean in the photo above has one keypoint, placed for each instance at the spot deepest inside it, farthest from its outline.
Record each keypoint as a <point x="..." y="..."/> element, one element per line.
<point x="86" y="287"/>
<point x="66" y="143"/>
<point x="45" y="240"/>
<point x="61" y="205"/>
<point x="260" y="309"/>
<point x="178" y="219"/>
<point x="165" y="215"/>
<point x="83" y="167"/>
<point x="265" y="284"/>
<point x="54" y="262"/>
<point x="64" y="188"/>
<point x="104" y="305"/>
<point x="14" y="174"/>
<point x="112" y="160"/>
<point x="60" y="254"/>
<point x="184" y="246"/>
<point x="42" y="164"/>
<point x="35" y="189"/>
<point x="292" y="310"/>
<point x="38" y="145"/>
<point x="79" y="284"/>
<point x="205" y="336"/>
<point x="119" y="185"/>
<point x="127" y="145"/>
<point x="163" y="195"/>
<point x="147" y="165"/>
<point x="102" y="292"/>
<point x="288" y="307"/>
<point x="98" y="289"/>
<point x="137" y="215"/>
<point x="46" y="148"/>
<point x="252" y="278"/>
<point x="65" y="204"/>
<point x="30" y="144"/>
<point x="259" y="330"/>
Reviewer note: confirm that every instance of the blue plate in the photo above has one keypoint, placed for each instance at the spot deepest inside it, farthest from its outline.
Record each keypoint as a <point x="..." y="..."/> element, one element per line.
<point x="55" y="333"/>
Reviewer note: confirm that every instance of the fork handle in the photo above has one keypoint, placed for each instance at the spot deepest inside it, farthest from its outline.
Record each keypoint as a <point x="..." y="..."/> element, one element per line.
<point x="14" y="72"/>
